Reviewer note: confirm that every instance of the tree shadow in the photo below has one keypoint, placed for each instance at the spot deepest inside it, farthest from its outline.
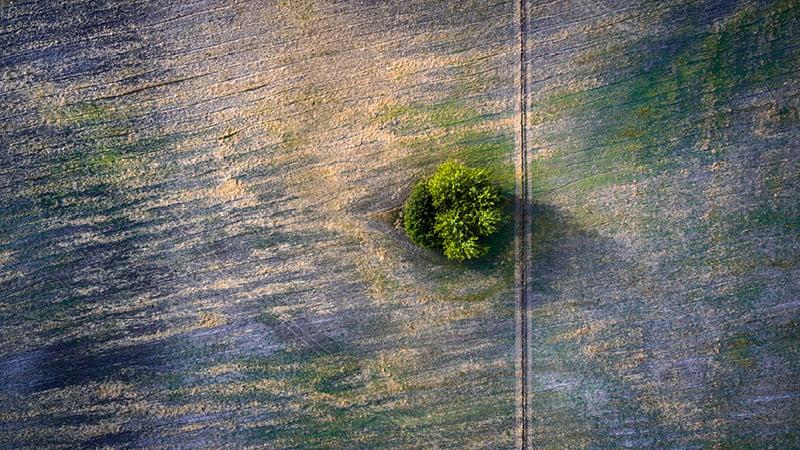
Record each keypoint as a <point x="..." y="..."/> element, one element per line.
<point x="556" y="238"/>
<point x="556" y="241"/>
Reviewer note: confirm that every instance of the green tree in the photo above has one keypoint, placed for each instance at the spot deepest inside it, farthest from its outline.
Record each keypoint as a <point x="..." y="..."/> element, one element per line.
<point x="419" y="217"/>
<point x="454" y="211"/>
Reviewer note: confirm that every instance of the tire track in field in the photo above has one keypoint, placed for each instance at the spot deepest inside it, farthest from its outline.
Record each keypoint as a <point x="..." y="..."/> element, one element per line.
<point x="523" y="238"/>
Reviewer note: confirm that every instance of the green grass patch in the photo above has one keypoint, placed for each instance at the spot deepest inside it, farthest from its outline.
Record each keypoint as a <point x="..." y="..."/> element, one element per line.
<point x="474" y="148"/>
<point x="404" y="120"/>
<point x="78" y="114"/>
<point x="647" y="116"/>
<point x="331" y="374"/>
<point x="739" y="350"/>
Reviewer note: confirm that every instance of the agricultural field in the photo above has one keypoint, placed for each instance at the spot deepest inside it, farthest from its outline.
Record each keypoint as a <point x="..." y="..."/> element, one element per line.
<point x="199" y="242"/>
<point x="665" y="286"/>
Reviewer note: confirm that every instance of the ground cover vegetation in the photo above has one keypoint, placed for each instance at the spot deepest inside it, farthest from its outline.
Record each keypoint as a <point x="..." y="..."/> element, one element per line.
<point x="665" y="269"/>
<point x="455" y="211"/>
<point x="188" y="255"/>
<point x="189" y="248"/>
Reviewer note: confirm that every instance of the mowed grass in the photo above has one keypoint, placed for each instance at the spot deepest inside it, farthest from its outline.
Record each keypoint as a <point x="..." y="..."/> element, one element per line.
<point x="191" y="256"/>
<point x="419" y="382"/>
<point x="666" y="262"/>
<point x="191" y="253"/>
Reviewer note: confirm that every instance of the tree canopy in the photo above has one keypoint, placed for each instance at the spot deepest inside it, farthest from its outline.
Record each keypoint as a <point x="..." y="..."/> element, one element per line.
<point x="454" y="211"/>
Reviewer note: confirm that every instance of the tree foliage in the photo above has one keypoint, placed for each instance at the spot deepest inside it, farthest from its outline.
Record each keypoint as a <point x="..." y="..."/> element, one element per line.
<point x="420" y="217"/>
<point x="454" y="211"/>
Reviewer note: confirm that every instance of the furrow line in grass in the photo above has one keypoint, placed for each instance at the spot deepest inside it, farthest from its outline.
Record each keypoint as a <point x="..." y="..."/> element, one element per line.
<point x="149" y="86"/>
<point x="564" y="25"/>
<point x="203" y="12"/>
<point x="24" y="87"/>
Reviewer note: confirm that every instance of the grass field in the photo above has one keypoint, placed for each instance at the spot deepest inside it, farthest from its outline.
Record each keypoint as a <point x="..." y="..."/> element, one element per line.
<point x="197" y="245"/>
<point x="665" y="163"/>
<point x="195" y="248"/>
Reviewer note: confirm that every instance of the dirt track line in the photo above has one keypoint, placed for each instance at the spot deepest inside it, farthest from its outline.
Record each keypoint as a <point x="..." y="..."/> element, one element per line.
<point x="523" y="238"/>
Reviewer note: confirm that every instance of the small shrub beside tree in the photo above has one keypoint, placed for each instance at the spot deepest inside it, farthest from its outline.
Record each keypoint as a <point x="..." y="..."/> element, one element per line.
<point x="454" y="211"/>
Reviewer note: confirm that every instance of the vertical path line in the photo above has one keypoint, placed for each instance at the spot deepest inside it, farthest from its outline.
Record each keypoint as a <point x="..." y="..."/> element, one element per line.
<point x="523" y="230"/>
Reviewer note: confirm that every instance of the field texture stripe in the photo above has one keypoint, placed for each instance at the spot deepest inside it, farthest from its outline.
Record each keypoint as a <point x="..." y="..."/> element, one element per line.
<point x="523" y="231"/>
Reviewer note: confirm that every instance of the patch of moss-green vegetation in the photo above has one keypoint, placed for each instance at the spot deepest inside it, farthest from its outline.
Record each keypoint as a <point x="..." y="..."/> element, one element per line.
<point x="477" y="296"/>
<point x="78" y="114"/>
<point x="739" y="350"/>
<point x="335" y="374"/>
<point x="100" y="142"/>
<point x="379" y="280"/>
<point x="292" y="140"/>
<point x="472" y="147"/>
<point x="405" y="120"/>
<point x="332" y="390"/>
<point x="450" y="129"/>
<point x="484" y="149"/>
<point x="770" y="216"/>
<point x="752" y="46"/>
